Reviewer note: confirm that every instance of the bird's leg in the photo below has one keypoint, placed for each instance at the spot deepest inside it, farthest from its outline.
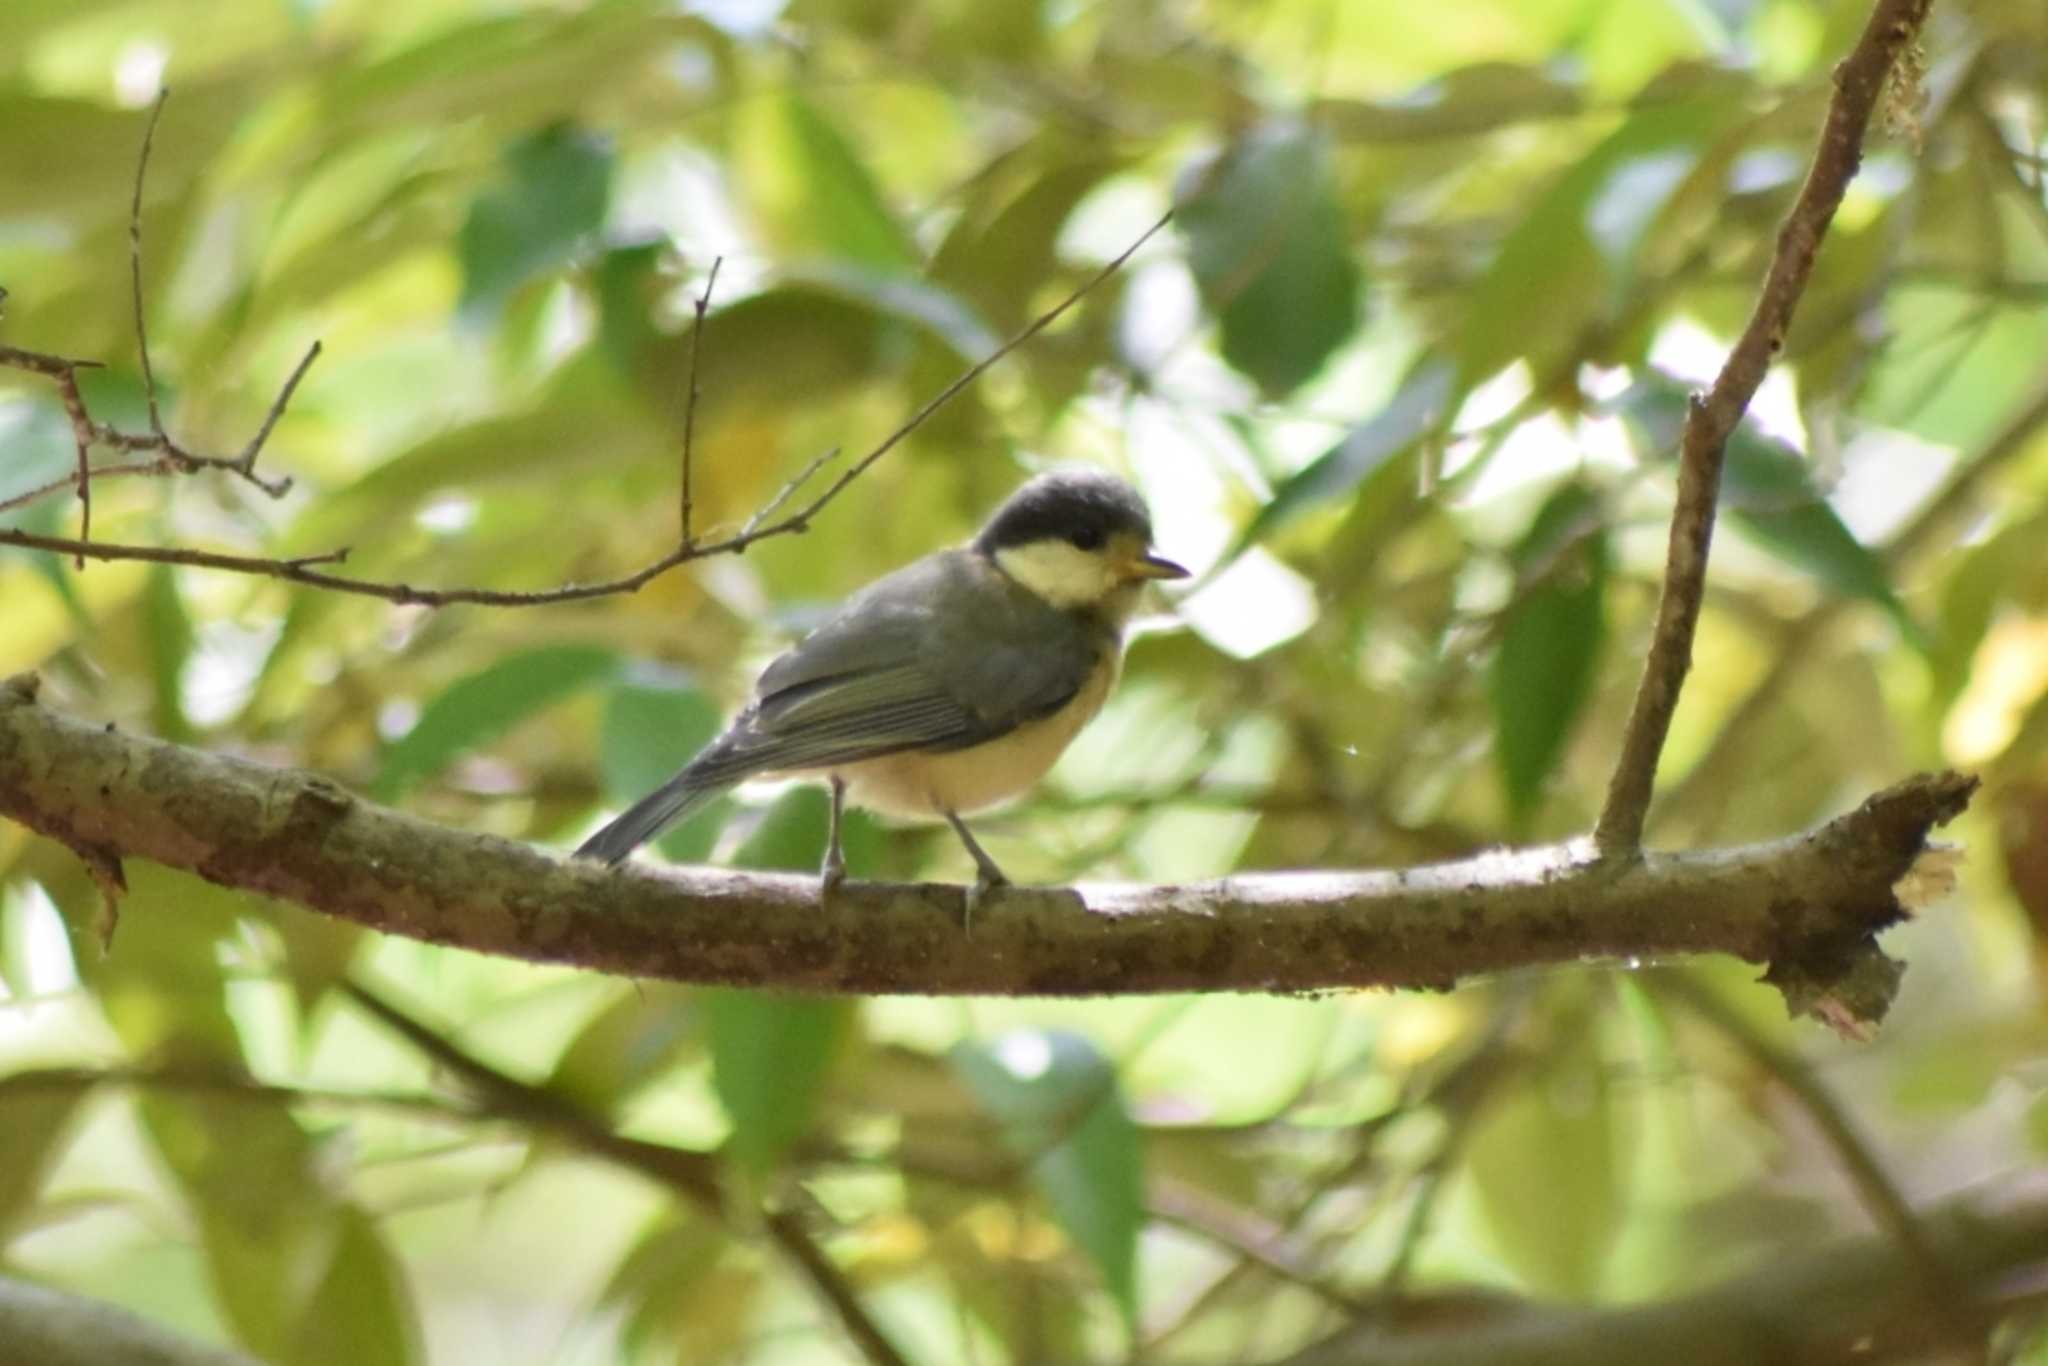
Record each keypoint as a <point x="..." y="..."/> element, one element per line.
<point x="990" y="875"/>
<point x="833" y="872"/>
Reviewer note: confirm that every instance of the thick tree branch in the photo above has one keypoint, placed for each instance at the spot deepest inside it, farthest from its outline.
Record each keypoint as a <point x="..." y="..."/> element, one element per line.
<point x="1851" y="1303"/>
<point x="1859" y="82"/>
<point x="51" y="1328"/>
<point x="1809" y="906"/>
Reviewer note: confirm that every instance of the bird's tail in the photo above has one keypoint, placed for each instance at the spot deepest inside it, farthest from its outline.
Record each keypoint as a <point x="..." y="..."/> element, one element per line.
<point x="655" y="812"/>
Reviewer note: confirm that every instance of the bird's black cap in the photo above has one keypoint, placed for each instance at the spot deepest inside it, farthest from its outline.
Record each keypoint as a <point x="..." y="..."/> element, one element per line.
<point x="1085" y="507"/>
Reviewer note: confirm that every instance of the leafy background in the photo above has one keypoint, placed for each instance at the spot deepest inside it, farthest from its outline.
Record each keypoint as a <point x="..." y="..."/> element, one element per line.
<point x="1402" y="381"/>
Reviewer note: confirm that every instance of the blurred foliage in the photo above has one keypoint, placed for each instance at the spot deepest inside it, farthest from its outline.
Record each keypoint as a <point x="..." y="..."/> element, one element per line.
<point x="1403" y="381"/>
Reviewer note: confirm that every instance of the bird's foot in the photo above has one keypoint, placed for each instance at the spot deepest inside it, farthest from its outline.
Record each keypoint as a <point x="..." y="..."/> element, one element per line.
<point x="830" y="874"/>
<point x="978" y="893"/>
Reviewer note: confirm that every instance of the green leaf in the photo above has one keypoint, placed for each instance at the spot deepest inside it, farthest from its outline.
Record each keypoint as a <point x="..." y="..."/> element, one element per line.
<point x="1062" y="1113"/>
<point x="265" y="1222"/>
<point x="163" y="985"/>
<point x="558" y="184"/>
<point x="1550" y="641"/>
<point x="814" y="188"/>
<point x="997" y="259"/>
<point x="1550" y="1169"/>
<point x="770" y="1058"/>
<point x="1569" y="261"/>
<point x="680" y="1291"/>
<point x="653" y="725"/>
<point x="1767" y="490"/>
<point x="1422" y="406"/>
<point x="361" y="1311"/>
<point x="791" y="836"/>
<point x="631" y="1041"/>
<point x="34" y="1126"/>
<point x="770" y="1054"/>
<point x="170" y="646"/>
<point x="1266" y="241"/>
<point x="932" y="307"/>
<point x="484" y="706"/>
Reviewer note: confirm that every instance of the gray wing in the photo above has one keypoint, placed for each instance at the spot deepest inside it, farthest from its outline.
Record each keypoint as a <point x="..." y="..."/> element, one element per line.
<point x="943" y="654"/>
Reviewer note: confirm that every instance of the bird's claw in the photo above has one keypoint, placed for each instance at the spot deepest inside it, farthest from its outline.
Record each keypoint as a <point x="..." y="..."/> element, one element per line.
<point x="977" y="893"/>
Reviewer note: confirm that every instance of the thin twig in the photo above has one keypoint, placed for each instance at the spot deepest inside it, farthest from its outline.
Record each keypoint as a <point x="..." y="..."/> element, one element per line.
<point x="156" y="421"/>
<point x="973" y="373"/>
<point x="1945" y="1294"/>
<point x="160" y="466"/>
<point x="1859" y="83"/>
<point x="788" y="491"/>
<point x="690" y="405"/>
<point x="297" y="572"/>
<point x="245" y="463"/>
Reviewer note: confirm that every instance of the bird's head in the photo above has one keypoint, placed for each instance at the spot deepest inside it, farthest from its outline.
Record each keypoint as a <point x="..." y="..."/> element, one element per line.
<point x="1078" y="539"/>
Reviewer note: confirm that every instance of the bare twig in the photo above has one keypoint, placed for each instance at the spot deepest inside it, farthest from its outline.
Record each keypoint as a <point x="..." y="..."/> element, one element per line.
<point x="690" y="405"/>
<point x="173" y="457"/>
<point x="788" y="490"/>
<point x="296" y="571"/>
<point x="72" y="480"/>
<point x="1710" y="419"/>
<point x="156" y="421"/>
<point x="973" y="372"/>
<point x="245" y="463"/>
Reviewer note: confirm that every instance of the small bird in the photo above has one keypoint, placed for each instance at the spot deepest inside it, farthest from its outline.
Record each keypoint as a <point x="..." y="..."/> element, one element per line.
<point x="948" y="686"/>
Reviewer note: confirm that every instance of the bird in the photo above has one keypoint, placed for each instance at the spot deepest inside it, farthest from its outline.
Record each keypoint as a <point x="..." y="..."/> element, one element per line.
<point x="946" y="687"/>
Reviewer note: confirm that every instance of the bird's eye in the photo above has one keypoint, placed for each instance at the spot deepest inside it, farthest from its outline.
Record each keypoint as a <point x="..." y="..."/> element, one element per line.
<point x="1086" y="538"/>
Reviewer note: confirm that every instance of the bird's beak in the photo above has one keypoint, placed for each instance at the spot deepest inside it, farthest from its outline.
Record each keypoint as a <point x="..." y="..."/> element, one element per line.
<point x="1150" y="566"/>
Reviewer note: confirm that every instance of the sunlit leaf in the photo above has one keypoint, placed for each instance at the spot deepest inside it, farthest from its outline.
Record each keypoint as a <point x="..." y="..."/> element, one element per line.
<point x="1267" y="241"/>
<point x="1062" y="1114"/>
<point x="477" y="709"/>
<point x="1421" y="406"/>
<point x="1550" y="641"/>
<point x="1567" y="260"/>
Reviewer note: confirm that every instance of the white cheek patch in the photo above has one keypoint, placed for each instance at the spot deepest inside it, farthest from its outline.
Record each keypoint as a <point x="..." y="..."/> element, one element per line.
<point x="1063" y="575"/>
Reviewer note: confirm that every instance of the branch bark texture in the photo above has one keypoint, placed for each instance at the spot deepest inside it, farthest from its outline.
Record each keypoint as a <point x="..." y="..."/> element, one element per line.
<point x="1808" y="906"/>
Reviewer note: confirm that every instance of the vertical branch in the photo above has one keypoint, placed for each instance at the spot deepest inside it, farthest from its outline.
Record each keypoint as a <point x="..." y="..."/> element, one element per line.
<point x="156" y="421"/>
<point x="690" y="405"/>
<point x="1711" y="418"/>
